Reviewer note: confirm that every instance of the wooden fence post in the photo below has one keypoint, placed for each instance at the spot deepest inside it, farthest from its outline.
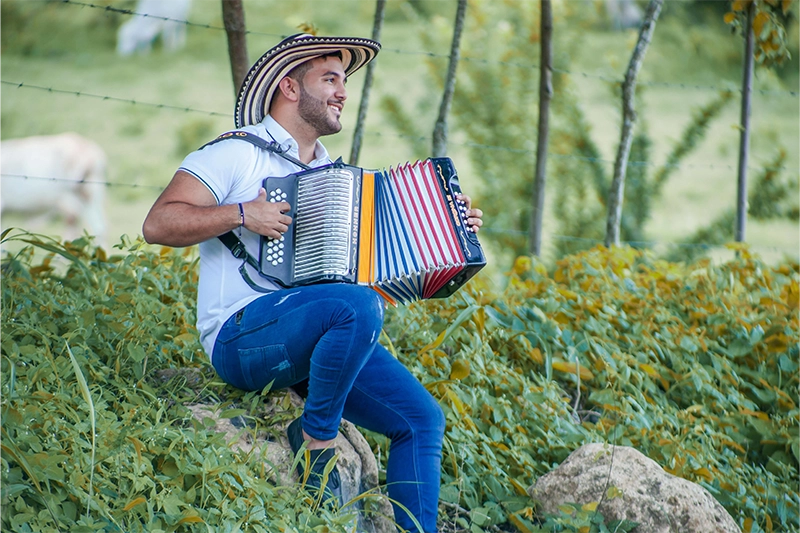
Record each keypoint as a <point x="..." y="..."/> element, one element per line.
<point x="358" y="134"/>
<point x="545" y="94"/>
<point x="233" y="18"/>
<point x="616" y="193"/>
<point x="439" y="148"/>
<point x="744" y="139"/>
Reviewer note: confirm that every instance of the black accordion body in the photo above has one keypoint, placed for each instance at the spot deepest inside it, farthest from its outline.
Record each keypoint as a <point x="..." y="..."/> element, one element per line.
<point x="401" y="231"/>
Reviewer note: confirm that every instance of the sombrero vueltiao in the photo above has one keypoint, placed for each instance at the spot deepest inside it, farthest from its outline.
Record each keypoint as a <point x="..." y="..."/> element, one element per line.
<point x="259" y="85"/>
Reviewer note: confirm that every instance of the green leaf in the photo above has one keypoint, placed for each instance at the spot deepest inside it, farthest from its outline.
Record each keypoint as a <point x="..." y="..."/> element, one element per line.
<point x="10" y="491"/>
<point x="462" y="317"/>
<point x="479" y="516"/>
<point x="739" y="348"/>
<point x="688" y="344"/>
<point x="232" y="413"/>
<point x="796" y="449"/>
<point x="622" y="526"/>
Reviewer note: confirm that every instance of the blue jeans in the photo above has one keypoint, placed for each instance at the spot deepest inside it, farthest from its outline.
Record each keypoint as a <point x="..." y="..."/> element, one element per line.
<point x="329" y="333"/>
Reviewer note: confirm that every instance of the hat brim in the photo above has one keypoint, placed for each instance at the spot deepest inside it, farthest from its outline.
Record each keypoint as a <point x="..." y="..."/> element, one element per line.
<point x="260" y="83"/>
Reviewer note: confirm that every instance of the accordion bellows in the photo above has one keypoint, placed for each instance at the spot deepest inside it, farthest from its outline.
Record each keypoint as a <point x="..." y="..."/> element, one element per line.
<point x="401" y="231"/>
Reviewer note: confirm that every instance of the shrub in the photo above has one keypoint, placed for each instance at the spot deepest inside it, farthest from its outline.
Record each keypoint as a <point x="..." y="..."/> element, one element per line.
<point x="695" y="365"/>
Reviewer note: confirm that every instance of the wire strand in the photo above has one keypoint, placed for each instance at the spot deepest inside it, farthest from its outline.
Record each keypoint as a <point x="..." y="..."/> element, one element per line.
<point x="604" y="77"/>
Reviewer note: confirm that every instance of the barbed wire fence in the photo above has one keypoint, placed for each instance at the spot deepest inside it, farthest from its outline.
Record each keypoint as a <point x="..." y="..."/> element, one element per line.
<point x="727" y="86"/>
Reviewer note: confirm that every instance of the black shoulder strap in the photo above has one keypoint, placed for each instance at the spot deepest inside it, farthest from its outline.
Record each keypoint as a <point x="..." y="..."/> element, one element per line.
<point x="230" y="239"/>
<point x="272" y="146"/>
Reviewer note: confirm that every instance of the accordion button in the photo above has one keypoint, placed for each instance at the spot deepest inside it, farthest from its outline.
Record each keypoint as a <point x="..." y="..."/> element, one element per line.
<point x="274" y="263"/>
<point x="278" y="191"/>
<point x="280" y="253"/>
<point x="280" y="260"/>
<point x="280" y="246"/>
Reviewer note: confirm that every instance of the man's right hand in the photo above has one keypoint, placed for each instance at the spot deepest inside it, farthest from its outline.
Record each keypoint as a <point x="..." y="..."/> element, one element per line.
<point x="266" y="218"/>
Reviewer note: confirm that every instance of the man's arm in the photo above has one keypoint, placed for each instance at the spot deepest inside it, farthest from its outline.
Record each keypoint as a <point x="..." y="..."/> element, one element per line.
<point x="186" y="213"/>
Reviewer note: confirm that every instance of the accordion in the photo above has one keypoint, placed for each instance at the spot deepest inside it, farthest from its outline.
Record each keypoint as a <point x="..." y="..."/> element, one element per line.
<point x="401" y="231"/>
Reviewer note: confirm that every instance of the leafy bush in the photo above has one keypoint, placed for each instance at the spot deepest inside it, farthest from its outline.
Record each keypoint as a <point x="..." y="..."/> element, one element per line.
<point x="695" y="365"/>
<point x="91" y="441"/>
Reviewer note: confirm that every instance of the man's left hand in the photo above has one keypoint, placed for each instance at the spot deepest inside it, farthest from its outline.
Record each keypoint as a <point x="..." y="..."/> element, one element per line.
<point x="473" y="214"/>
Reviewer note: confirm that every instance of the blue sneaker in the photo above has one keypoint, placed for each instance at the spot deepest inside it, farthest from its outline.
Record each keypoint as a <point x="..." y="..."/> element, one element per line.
<point x="317" y="459"/>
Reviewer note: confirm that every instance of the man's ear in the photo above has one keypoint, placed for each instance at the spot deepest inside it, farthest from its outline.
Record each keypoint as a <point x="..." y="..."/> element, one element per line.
<point x="289" y="88"/>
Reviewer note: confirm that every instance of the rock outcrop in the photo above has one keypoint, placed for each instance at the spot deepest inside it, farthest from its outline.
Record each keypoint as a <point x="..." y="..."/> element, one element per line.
<point x="357" y="465"/>
<point x="644" y="492"/>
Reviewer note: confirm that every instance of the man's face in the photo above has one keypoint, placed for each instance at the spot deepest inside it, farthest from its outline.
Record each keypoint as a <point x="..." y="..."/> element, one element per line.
<point x="322" y="95"/>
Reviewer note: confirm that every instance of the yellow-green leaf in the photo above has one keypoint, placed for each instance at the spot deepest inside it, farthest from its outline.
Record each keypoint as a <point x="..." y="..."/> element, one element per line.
<point x="518" y="487"/>
<point x="591" y="506"/>
<point x="650" y="370"/>
<point x="133" y="503"/>
<point x="457" y="403"/>
<point x="759" y="21"/>
<point x="460" y="369"/>
<point x="705" y="473"/>
<point x="190" y="520"/>
<point x="519" y="524"/>
<point x="465" y="315"/>
<point x="570" y="368"/>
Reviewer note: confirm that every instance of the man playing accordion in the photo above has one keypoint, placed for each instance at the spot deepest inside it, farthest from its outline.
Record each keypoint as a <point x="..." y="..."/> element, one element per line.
<point x="324" y="334"/>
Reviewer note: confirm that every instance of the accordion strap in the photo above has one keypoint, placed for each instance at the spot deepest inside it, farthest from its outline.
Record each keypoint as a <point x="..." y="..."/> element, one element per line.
<point x="272" y="146"/>
<point x="230" y="239"/>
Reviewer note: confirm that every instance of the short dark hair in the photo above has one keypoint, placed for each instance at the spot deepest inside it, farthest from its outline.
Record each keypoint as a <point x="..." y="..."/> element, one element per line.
<point x="299" y="72"/>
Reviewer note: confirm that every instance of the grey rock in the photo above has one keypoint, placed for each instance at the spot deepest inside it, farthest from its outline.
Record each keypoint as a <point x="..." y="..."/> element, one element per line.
<point x="657" y="500"/>
<point x="357" y="466"/>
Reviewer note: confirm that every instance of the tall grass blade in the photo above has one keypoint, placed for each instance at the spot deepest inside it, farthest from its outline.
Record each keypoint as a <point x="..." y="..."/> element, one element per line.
<point x="88" y="397"/>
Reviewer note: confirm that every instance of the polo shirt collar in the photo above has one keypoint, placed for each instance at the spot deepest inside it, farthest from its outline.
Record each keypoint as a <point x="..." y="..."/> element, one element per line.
<point x="283" y="138"/>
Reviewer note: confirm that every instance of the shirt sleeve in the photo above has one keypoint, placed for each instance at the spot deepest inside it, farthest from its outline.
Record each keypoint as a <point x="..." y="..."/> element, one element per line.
<point x="223" y="167"/>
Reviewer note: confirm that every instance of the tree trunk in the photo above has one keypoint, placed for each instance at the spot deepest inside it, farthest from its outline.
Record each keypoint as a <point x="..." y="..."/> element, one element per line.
<point x="233" y="18"/>
<point x="545" y="93"/>
<point x="440" y="129"/>
<point x="617" y="191"/>
<point x="744" y="139"/>
<point x="358" y="134"/>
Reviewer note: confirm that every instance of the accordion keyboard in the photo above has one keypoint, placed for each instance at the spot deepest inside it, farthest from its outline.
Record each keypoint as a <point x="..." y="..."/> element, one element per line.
<point x="323" y="221"/>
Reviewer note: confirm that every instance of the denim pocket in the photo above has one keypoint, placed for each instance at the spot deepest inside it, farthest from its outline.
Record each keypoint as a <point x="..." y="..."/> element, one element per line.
<point x="264" y="364"/>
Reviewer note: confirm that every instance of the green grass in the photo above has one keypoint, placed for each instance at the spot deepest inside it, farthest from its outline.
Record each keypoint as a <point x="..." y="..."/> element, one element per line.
<point x="146" y="144"/>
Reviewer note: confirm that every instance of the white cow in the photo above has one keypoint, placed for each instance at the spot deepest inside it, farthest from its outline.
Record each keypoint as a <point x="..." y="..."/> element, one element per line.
<point x="138" y="34"/>
<point x="624" y="14"/>
<point x="55" y="177"/>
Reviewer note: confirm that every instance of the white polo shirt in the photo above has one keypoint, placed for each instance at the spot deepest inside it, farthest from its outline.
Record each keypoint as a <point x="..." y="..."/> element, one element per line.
<point x="234" y="171"/>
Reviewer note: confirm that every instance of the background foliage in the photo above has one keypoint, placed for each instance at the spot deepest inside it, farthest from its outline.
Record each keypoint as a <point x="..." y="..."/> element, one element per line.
<point x="495" y="109"/>
<point x="695" y="365"/>
<point x="681" y="185"/>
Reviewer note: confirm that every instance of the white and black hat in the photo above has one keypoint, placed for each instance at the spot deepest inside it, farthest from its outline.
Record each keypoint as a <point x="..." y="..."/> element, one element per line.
<point x="261" y="81"/>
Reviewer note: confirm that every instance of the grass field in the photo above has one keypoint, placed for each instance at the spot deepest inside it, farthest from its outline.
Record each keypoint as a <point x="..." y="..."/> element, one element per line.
<point x="145" y="144"/>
